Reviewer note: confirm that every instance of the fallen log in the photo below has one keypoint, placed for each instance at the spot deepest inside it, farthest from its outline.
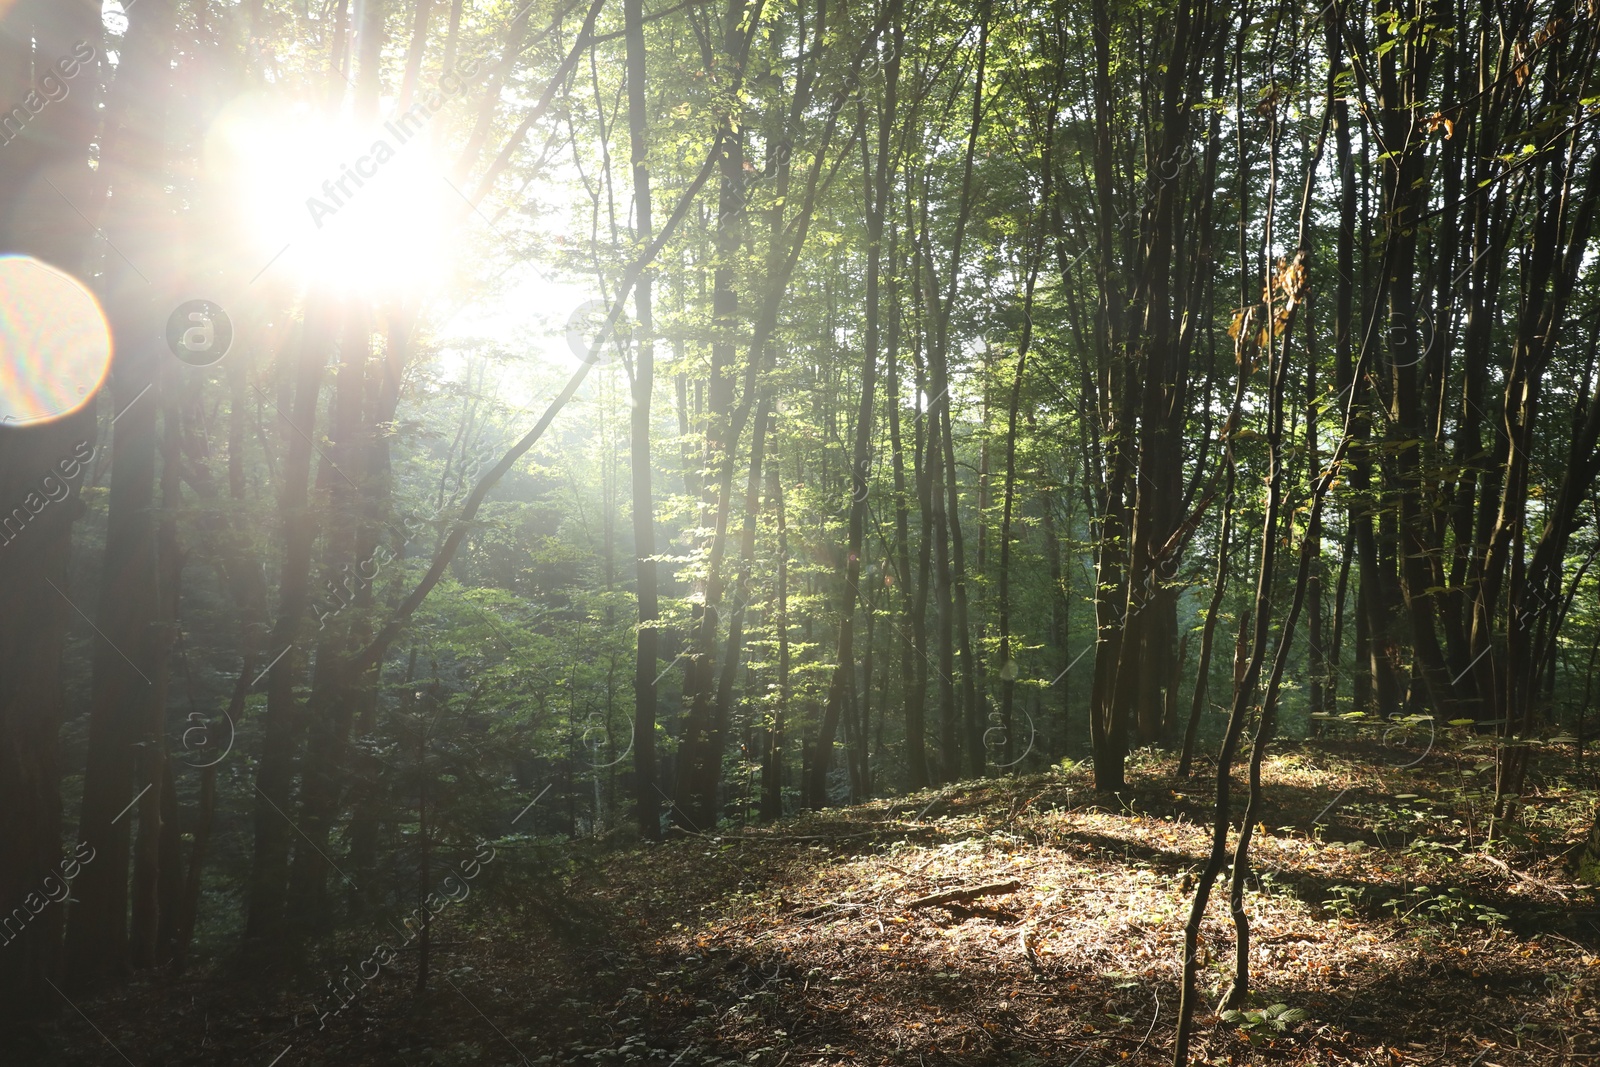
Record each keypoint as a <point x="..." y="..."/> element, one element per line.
<point x="960" y="896"/>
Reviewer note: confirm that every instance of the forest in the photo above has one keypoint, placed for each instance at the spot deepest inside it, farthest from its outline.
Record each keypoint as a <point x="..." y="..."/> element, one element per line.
<point x="779" y="532"/>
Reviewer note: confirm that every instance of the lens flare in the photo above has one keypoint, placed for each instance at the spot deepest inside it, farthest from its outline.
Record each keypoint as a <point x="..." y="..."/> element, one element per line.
<point x="55" y="346"/>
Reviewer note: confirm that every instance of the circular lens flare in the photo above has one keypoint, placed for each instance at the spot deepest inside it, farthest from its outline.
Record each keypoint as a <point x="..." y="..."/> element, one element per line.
<point x="55" y="346"/>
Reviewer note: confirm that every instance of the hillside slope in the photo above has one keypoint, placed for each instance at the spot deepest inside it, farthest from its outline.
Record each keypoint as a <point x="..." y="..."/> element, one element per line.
<point x="1379" y="922"/>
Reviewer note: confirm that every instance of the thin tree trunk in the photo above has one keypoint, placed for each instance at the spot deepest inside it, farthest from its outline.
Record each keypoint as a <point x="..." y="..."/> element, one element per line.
<point x="970" y="712"/>
<point x="913" y="595"/>
<point x="127" y="746"/>
<point x="647" y="805"/>
<point x="1008" y="669"/>
<point x="772" y="756"/>
<point x="1208" y="631"/>
<point x="34" y="560"/>
<point x="346" y="481"/>
<point x="690" y="807"/>
<point x="877" y="193"/>
<point x="282" y="723"/>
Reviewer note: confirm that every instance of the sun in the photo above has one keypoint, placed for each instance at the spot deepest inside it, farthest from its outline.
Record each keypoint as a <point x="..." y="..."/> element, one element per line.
<point x="356" y="208"/>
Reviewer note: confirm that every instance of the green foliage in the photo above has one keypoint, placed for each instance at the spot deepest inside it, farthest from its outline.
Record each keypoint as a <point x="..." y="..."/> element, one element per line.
<point x="1260" y="1025"/>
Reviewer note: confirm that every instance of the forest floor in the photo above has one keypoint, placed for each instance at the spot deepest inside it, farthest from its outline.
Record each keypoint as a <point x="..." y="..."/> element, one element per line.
<point x="1380" y="920"/>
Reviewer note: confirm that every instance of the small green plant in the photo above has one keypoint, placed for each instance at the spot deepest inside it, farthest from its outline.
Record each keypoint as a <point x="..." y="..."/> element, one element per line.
<point x="1344" y="900"/>
<point x="1488" y="916"/>
<point x="1448" y="906"/>
<point x="1257" y="1025"/>
<point x="1444" y="907"/>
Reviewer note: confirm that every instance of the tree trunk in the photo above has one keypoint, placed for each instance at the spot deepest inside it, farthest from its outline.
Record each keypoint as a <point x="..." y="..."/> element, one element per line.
<point x="647" y="804"/>
<point x="772" y="755"/>
<point x="877" y="193"/>
<point x="283" y="723"/>
<point x="34" y="558"/>
<point x="127" y="736"/>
